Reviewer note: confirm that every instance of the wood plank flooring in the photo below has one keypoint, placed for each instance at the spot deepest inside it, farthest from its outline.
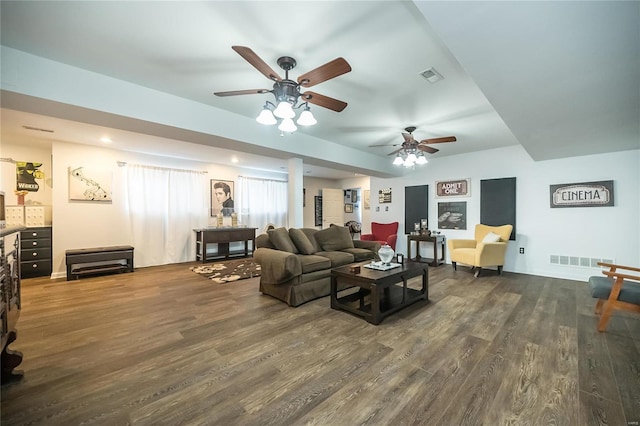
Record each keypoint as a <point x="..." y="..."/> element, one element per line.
<point x="164" y="346"/>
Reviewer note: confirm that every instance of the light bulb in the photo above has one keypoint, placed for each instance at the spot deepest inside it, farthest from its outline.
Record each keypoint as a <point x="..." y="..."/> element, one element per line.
<point x="287" y="125"/>
<point x="306" y="118"/>
<point x="284" y="110"/>
<point x="421" y="160"/>
<point x="398" y="160"/>
<point x="266" y="117"/>
<point x="412" y="158"/>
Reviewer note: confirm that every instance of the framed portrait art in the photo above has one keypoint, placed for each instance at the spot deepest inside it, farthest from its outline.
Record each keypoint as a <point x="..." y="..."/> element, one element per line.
<point x="222" y="197"/>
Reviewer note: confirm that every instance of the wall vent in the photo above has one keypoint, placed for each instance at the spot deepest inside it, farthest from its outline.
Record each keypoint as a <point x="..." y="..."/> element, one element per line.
<point x="577" y="261"/>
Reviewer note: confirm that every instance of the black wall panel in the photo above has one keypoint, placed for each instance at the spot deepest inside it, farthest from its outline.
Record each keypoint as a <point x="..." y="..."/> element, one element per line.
<point x="416" y="205"/>
<point x="498" y="203"/>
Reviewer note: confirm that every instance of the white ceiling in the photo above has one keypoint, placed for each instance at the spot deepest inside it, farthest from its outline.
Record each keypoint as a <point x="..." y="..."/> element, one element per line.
<point x="559" y="78"/>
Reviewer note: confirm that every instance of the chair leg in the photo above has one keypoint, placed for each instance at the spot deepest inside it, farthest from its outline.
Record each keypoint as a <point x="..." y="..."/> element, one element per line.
<point x="599" y="304"/>
<point x="478" y="271"/>
<point x="454" y="266"/>
<point x="604" y="318"/>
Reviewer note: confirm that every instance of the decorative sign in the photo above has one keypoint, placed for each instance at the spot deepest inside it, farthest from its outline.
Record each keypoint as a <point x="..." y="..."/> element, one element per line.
<point x="585" y="194"/>
<point x="384" y="195"/>
<point x="453" y="188"/>
<point x="452" y="215"/>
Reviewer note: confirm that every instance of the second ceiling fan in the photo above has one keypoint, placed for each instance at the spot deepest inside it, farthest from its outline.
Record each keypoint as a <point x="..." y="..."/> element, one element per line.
<point x="411" y="144"/>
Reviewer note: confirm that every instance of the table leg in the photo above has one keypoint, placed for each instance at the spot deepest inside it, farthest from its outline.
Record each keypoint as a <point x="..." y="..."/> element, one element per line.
<point x="376" y="299"/>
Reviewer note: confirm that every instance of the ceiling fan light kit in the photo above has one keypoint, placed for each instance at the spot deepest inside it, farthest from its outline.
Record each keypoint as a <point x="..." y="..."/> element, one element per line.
<point x="287" y="93"/>
<point x="411" y="152"/>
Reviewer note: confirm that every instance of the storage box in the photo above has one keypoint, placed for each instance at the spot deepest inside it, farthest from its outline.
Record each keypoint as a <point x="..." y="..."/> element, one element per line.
<point x="34" y="216"/>
<point x="14" y="215"/>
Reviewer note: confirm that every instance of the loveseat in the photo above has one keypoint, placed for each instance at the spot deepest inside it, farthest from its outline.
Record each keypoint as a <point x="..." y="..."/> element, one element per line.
<point x="296" y="263"/>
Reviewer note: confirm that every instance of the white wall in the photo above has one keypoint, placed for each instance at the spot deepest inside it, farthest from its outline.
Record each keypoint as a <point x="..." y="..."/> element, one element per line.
<point x="595" y="232"/>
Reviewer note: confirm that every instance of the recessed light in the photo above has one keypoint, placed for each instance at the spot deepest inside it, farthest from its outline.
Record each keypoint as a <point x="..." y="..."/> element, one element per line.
<point x="105" y="139"/>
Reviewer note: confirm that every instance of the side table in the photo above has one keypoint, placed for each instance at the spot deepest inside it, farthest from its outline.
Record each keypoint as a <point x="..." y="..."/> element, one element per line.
<point x="437" y="240"/>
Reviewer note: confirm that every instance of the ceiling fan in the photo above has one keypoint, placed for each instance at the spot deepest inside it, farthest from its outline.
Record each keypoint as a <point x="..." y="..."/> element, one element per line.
<point x="287" y="92"/>
<point x="411" y="145"/>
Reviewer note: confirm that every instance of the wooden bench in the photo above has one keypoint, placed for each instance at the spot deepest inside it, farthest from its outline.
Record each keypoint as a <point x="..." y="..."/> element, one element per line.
<point x="98" y="260"/>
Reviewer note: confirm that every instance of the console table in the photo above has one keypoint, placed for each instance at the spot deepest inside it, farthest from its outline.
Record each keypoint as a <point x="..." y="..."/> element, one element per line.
<point x="10" y="301"/>
<point x="222" y="237"/>
<point x="437" y="240"/>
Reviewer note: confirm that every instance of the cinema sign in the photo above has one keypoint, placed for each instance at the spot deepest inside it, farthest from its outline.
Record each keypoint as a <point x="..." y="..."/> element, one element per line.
<point x="585" y="194"/>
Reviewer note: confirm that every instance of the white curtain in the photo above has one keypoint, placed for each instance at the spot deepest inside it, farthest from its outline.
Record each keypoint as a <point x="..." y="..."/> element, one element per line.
<point x="261" y="202"/>
<point x="164" y="206"/>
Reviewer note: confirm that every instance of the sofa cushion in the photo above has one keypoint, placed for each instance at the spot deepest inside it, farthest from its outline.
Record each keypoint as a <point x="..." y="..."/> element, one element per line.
<point x="601" y="287"/>
<point x="313" y="263"/>
<point x="337" y="258"/>
<point x="301" y="241"/>
<point x="280" y="239"/>
<point x="334" y="238"/>
<point x="360" y="254"/>
<point x="311" y="234"/>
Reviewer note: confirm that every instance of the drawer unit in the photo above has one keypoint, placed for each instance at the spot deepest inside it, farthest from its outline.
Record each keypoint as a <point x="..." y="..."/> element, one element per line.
<point x="35" y="252"/>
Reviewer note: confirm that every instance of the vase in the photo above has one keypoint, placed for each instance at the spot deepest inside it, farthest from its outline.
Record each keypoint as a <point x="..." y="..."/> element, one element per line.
<point x="385" y="254"/>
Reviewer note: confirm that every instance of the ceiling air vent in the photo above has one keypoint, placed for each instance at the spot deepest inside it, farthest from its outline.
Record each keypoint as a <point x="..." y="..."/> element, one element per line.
<point x="431" y="75"/>
<point x="37" y="129"/>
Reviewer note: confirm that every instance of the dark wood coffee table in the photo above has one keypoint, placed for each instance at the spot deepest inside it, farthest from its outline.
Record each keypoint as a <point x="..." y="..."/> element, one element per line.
<point x="387" y="291"/>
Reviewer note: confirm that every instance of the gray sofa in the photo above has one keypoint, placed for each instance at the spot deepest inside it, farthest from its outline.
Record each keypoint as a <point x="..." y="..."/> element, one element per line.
<point x="296" y="263"/>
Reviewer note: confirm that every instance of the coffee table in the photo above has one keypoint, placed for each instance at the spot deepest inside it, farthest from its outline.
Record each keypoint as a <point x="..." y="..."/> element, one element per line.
<point x="387" y="291"/>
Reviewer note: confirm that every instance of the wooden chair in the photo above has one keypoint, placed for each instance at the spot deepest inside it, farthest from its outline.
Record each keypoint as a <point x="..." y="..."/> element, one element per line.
<point x="619" y="289"/>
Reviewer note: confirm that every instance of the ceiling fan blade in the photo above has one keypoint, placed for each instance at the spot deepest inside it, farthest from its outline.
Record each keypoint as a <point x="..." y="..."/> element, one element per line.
<point x="324" y="72"/>
<point x="427" y="148"/>
<point x="384" y="144"/>
<point x="242" y="92"/>
<point x="408" y="138"/>
<point x="440" y="140"/>
<point x="324" y="101"/>
<point x="251" y="57"/>
<point x="395" y="152"/>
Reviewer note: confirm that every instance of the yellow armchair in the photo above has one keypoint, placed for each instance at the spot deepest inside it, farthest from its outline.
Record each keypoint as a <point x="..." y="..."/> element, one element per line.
<point x="487" y="249"/>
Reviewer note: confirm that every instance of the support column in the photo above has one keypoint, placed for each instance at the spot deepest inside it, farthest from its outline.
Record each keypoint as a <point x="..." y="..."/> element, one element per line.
<point x="295" y="185"/>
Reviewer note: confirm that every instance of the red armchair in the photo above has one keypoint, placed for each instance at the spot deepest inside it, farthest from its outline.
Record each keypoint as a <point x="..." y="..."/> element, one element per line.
<point x="383" y="233"/>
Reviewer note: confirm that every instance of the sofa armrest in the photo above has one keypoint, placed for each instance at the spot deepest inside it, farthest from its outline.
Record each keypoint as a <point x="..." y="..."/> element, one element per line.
<point x="277" y="266"/>
<point x="374" y="246"/>
<point x="367" y="237"/>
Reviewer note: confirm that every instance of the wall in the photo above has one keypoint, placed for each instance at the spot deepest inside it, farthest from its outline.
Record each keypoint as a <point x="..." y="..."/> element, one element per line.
<point x="596" y="232"/>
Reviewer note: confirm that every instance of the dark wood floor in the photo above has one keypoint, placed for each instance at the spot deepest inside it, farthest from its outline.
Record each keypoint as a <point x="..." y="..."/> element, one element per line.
<point x="164" y="346"/>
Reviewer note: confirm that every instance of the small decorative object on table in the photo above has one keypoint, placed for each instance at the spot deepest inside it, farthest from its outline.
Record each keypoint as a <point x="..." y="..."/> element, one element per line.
<point x="234" y="219"/>
<point x="219" y="219"/>
<point x="386" y="254"/>
<point x="400" y="258"/>
<point x="354" y="269"/>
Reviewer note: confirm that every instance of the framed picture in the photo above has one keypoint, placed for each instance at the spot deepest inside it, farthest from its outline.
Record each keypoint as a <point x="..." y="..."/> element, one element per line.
<point x="348" y="208"/>
<point x="221" y="197"/>
<point x="453" y="188"/>
<point x="366" y="199"/>
<point x="452" y="215"/>
<point x="317" y="215"/>
<point x="354" y="195"/>
<point x="90" y="184"/>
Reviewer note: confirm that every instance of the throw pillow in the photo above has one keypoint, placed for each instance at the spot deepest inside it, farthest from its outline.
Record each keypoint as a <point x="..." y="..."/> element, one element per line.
<point x="281" y="240"/>
<point x="301" y="241"/>
<point x="334" y="238"/>
<point x="491" y="238"/>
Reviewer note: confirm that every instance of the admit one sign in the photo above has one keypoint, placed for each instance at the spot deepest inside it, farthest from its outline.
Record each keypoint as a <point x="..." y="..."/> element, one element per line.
<point x="453" y="188"/>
